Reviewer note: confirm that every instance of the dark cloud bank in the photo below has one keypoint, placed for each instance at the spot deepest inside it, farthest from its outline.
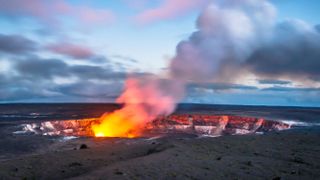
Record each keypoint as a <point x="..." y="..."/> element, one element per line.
<point x="34" y="77"/>
<point x="294" y="51"/>
<point x="16" y="44"/>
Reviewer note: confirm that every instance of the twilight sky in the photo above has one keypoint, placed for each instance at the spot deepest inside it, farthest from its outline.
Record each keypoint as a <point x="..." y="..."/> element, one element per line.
<point x="82" y="50"/>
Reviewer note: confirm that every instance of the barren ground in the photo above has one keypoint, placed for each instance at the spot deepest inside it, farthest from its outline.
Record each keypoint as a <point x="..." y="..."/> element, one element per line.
<point x="293" y="154"/>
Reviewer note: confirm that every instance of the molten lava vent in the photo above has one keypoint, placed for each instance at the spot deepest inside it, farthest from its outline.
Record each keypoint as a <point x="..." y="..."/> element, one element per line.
<point x="213" y="125"/>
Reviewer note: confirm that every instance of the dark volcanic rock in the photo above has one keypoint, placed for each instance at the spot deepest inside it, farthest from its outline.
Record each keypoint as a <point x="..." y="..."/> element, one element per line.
<point x="83" y="146"/>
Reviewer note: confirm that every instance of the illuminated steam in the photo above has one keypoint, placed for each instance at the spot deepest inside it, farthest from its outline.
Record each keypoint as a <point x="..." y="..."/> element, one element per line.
<point x="229" y="34"/>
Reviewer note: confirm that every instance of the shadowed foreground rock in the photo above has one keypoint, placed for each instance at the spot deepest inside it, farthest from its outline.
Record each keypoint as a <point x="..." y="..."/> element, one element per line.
<point x="281" y="155"/>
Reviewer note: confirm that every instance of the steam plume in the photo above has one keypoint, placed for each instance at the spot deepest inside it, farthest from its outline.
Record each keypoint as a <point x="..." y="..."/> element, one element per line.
<point x="228" y="33"/>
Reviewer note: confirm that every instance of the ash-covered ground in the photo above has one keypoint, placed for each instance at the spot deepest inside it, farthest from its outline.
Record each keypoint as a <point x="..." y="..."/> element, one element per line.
<point x="289" y="154"/>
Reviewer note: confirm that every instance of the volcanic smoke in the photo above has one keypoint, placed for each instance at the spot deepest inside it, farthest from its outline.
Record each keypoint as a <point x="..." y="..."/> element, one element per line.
<point x="226" y="32"/>
<point x="144" y="99"/>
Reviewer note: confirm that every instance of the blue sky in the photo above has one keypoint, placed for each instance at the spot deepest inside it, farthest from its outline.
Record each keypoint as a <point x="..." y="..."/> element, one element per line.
<point x="306" y="10"/>
<point x="82" y="51"/>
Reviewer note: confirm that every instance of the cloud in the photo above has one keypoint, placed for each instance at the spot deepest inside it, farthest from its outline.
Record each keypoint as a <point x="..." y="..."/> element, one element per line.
<point x="317" y="27"/>
<point x="291" y="89"/>
<point x="273" y="81"/>
<point x="294" y="51"/>
<point x="92" y="89"/>
<point x="219" y="86"/>
<point x="34" y="67"/>
<point x="16" y="44"/>
<point x="250" y="95"/>
<point x="48" y="12"/>
<point x="17" y="94"/>
<point x="259" y="97"/>
<point x="35" y="79"/>
<point x="169" y="9"/>
<point x="227" y="34"/>
<point x="238" y="37"/>
<point x="71" y="50"/>
<point x="39" y="68"/>
<point x="19" y="87"/>
<point x="90" y="15"/>
<point x="231" y="37"/>
<point x="125" y="58"/>
<point x="76" y="51"/>
<point x="96" y="72"/>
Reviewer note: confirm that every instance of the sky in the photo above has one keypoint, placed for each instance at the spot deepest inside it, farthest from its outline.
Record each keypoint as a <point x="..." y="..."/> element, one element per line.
<point x="83" y="51"/>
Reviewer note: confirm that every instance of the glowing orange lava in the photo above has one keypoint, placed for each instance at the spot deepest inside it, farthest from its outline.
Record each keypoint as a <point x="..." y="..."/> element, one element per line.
<point x="143" y="100"/>
<point x="121" y="123"/>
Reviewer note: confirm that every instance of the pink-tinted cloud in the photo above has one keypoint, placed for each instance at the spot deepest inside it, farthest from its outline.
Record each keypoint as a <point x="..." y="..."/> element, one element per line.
<point x="169" y="9"/>
<point x="48" y="12"/>
<point x="71" y="50"/>
<point x="33" y="8"/>
<point x="89" y="15"/>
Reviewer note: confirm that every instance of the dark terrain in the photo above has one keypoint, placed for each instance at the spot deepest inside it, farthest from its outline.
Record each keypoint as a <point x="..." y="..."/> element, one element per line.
<point x="290" y="154"/>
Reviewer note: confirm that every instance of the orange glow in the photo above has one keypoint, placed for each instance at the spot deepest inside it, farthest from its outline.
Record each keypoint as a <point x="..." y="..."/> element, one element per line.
<point x="121" y="123"/>
<point x="143" y="100"/>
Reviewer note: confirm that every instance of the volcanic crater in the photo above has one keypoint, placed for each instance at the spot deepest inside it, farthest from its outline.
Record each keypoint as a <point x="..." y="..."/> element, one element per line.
<point x="197" y="124"/>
